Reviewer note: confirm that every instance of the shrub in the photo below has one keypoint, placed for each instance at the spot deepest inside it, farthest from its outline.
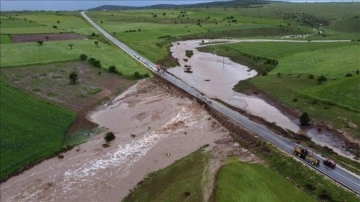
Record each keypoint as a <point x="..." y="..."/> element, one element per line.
<point x="348" y="75"/>
<point x="137" y="75"/>
<point x="109" y="137"/>
<point x="92" y="61"/>
<point x="97" y="63"/>
<point x="189" y="53"/>
<point x="83" y="57"/>
<point x="304" y="119"/>
<point x="321" y="79"/>
<point x="112" y="69"/>
<point x="73" y="77"/>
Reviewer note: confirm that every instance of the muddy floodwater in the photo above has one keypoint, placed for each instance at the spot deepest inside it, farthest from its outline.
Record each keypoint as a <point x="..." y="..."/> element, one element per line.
<point x="215" y="76"/>
<point x="154" y="126"/>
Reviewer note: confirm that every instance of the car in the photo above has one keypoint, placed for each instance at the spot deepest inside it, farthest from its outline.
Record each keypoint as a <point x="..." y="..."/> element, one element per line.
<point x="329" y="163"/>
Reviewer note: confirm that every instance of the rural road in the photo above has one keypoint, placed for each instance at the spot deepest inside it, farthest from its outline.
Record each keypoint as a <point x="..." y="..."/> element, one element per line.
<point x="339" y="174"/>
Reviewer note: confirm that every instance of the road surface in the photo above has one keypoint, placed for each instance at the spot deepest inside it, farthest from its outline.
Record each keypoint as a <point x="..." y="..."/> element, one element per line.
<point x="338" y="174"/>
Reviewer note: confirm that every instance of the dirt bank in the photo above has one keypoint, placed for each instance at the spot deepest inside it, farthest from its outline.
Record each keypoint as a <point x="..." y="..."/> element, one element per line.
<point x="154" y="125"/>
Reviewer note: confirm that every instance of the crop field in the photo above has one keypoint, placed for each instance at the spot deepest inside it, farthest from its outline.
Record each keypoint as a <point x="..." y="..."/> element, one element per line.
<point x="181" y="181"/>
<point x="31" y="129"/>
<point x="334" y="102"/>
<point x="44" y="22"/>
<point x="59" y="51"/>
<point x="237" y="181"/>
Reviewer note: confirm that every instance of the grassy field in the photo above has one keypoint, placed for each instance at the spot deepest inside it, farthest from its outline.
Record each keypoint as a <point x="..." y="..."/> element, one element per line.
<point x="155" y="29"/>
<point x="44" y="22"/>
<point x="237" y="181"/>
<point x="56" y="51"/>
<point x="181" y="181"/>
<point x="31" y="129"/>
<point x="334" y="102"/>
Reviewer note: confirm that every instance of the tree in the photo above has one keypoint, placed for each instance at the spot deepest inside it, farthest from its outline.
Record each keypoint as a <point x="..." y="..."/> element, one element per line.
<point x="71" y="46"/>
<point x="73" y="77"/>
<point x="304" y="119"/>
<point x="40" y="43"/>
<point x="83" y="57"/>
<point x="109" y="137"/>
<point x="96" y="43"/>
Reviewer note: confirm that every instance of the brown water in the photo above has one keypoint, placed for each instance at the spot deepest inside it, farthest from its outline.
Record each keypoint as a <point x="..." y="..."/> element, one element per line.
<point x="215" y="76"/>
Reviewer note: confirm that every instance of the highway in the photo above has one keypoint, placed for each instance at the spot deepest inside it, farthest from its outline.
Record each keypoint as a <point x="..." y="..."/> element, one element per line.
<point x="339" y="174"/>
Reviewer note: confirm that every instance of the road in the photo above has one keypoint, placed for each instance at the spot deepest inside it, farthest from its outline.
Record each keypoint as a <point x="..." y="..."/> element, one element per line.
<point x="339" y="174"/>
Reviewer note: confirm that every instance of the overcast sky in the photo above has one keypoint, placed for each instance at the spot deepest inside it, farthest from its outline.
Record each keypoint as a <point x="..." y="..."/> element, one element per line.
<point x="7" y="5"/>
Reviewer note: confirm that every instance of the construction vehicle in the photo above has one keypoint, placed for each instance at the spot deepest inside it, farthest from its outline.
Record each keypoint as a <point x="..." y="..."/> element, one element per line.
<point x="306" y="155"/>
<point x="329" y="163"/>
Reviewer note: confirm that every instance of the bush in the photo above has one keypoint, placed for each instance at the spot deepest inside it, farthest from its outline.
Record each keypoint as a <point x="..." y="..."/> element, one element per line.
<point x="137" y="75"/>
<point x="73" y="77"/>
<point x="109" y="137"/>
<point x="112" y="69"/>
<point x="189" y="53"/>
<point x="348" y="75"/>
<point x="304" y="119"/>
<point x="83" y="57"/>
<point x="321" y="79"/>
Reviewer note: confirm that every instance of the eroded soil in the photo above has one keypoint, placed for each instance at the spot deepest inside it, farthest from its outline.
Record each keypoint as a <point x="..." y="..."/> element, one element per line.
<point x="51" y="82"/>
<point x="154" y="124"/>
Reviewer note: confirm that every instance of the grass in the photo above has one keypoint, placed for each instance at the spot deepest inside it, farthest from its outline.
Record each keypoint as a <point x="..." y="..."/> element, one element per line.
<point x="274" y="20"/>
<point x="181" y="181"/>
<point x="237" y="181"/>
<point x="334" y="102"/>
<point x="5" y="39"/>
<point x="43" y="22"/>
<point x="59" y="51"/>
<point x="31" y="129"/>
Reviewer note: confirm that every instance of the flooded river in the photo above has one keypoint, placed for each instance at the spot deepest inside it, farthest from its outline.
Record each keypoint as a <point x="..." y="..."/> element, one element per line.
<point x="215" y="76"/>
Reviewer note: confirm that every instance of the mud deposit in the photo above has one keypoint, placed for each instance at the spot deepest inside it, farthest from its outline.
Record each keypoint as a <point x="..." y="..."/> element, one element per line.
<point x="154" y="125"/>
<point x="216" y="76"/>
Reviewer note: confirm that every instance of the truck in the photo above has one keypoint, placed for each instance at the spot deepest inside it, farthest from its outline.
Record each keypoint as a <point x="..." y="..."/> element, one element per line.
<point x="306" y="155"/>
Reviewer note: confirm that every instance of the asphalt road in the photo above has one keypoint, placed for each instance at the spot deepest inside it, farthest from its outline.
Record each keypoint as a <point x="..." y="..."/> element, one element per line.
<point x="338" y="174"/>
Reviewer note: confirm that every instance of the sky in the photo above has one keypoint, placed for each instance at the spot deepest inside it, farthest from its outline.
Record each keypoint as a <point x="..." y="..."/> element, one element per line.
<point x="55" y="5"/>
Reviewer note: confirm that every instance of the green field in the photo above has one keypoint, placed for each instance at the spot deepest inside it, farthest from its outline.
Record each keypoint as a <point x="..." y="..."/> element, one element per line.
<point x="43" y="22"/>
<point x="31" y="129"/>
<point x="181" y="181"/>
<point x="334" y="102"/>
<point x="56" y="51"/>
<point x="159" y="27"/>
<point x="237" y="181"/>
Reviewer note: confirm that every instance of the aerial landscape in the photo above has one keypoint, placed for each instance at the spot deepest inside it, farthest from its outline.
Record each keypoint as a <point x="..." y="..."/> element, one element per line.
<point x="239" y="100"/>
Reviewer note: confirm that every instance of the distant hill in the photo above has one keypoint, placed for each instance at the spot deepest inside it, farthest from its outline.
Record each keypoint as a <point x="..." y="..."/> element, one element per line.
<point x="169" y="6"/>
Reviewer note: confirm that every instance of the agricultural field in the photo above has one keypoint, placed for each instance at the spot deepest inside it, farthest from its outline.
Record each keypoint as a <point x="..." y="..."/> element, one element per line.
<point x="150" y="32"/>
<point x="237" y="181"/>
<point x="31" y="129"/>
<point x="34" y="129"/>
<point x="44" y="22"/>
<point x="294" y="81"/>
<point x="31" y="53"/>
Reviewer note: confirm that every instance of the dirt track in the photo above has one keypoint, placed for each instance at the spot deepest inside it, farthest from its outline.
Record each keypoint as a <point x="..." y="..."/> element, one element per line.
<point x="154" y="125"/>
<point x="19" y="38"/>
